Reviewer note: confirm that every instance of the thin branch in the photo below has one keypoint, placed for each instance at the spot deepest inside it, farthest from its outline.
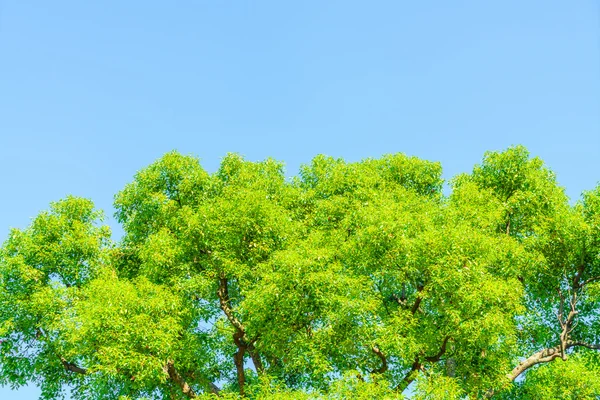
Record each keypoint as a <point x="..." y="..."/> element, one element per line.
<point x="590" y="280"/>
<point x="591" y="346"/>
<point x="561" y="308"/>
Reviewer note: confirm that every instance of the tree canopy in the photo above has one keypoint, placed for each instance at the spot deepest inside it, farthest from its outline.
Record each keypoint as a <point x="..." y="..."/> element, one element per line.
<point x="351" y="280"/>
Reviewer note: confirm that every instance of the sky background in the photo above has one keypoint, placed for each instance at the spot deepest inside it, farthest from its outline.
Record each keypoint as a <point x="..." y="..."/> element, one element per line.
<point x="91" y="92"/>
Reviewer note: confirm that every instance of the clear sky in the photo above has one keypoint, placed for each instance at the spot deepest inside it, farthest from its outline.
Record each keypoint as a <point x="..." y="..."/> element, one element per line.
<point x="90" y="92"/>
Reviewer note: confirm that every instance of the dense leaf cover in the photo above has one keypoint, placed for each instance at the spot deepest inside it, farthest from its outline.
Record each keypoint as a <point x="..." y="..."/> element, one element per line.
<point x="352" y="280"/>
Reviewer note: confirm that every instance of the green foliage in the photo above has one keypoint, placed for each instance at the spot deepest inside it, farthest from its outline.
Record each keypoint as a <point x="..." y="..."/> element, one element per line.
<point x="438" y="387"/>
<point x="351" y="280"/>
<point x="42" y="269"/>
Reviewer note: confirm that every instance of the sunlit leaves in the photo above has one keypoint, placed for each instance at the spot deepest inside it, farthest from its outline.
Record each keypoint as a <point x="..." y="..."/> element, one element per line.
<point x="347" y="281"/>
<point x="41" y="270"/>
<point x="438" y="387"/>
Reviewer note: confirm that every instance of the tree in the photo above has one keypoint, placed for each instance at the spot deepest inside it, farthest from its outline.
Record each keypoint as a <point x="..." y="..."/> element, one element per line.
<point x="352" y="279"/>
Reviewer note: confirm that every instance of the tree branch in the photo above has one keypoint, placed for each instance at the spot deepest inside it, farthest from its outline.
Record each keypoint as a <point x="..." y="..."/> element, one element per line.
<point x="590" y="346"/>
<point x="547" y="355"/>
<point x="68" y="365"/>
<point x="238" y="359"/>
<point x="224" y="302"/>
<point x="72" y="367"/>
<point x="384" y="365"/>
<point x="178" y="379"/>
<point x="590" y="280"/>
<point x="418" y="300"/>
<point x="214" y="389"/>
<point x="442" y="351"/>
<point x="567" y="324"/>
<point x="256" y="358"/>
<point x="542" y="356"/>
<point x="410" y="376"/>
<point x="239" y="336"/>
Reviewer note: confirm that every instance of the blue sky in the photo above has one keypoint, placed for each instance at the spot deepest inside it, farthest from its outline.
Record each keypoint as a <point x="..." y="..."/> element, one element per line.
<point x="90" y="92"/>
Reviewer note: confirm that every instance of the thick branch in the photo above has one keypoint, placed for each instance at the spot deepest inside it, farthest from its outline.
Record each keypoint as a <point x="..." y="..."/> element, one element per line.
<point x="547" y="355"/>
<point x="566" y="324"/>
<point x="238" y="336"/>
<point x="542" y="356"/>
<point x="238" y="359"/>
<point x="178" y="379"/>
<point x="256" y="359"/>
